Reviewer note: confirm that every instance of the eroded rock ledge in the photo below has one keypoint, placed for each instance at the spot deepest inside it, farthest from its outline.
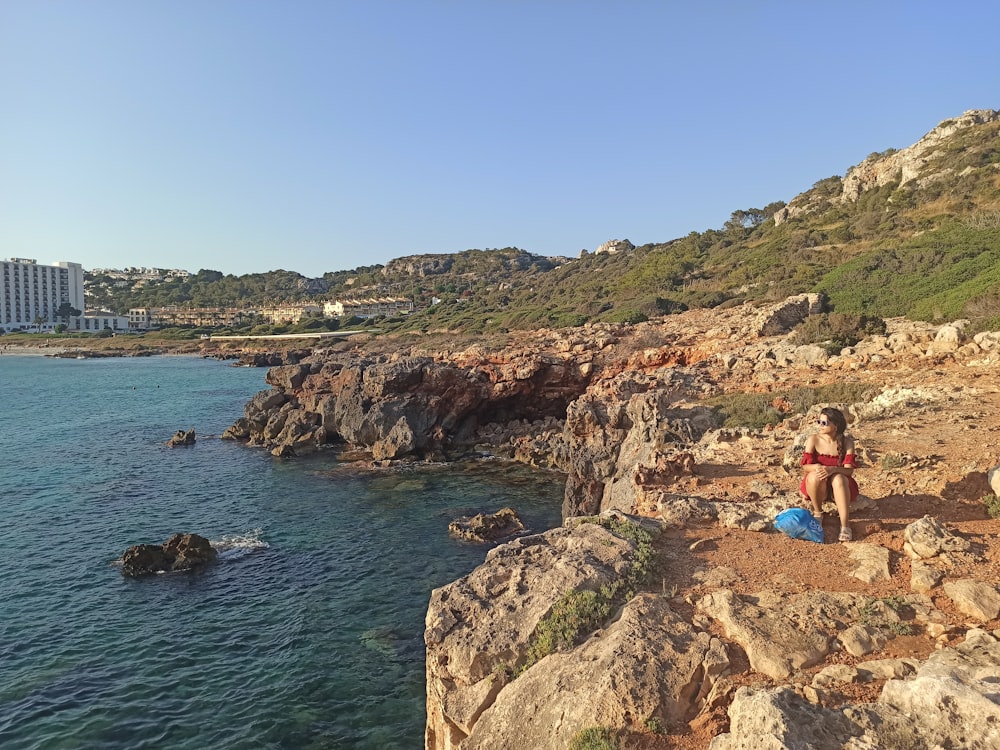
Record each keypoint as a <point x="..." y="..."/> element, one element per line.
<point x="655" y="665"/>
<point x="647" y="661"/>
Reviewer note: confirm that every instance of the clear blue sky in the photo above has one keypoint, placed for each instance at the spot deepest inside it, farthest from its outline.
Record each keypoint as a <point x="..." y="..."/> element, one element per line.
<point x="246" y="136"/>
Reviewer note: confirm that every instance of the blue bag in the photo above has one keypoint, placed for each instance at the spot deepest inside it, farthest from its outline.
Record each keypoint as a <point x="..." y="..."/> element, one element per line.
<point x="798" y="523"/>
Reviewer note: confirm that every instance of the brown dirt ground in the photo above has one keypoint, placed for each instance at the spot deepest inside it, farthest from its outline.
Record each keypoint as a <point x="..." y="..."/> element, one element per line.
<point x="948" y="446"/>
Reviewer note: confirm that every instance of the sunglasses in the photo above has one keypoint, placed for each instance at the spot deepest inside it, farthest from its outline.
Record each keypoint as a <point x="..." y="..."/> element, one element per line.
<point x="822" y="422"/>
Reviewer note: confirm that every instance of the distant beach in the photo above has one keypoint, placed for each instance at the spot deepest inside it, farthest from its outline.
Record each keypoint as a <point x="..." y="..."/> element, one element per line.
<point x="20" y="350"/>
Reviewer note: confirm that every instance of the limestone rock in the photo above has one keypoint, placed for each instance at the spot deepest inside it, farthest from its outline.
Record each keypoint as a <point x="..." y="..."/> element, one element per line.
<point x="907" y="165"/>
<point x="775" y="646"/>
<point x="835" y="674"/>
<point x="887" y="669"/>
<point x="784" y="316"/>
<point x="993" y="477"/>
<point x="612" y="247"/>
<point x="239" y="430"/>
<point x="481" y="625"/>
<point x="950" y="702"/>
<point x="402" y="406"/>
<point x="811" y="354"/>
<point x="927" y="538"/>
<point x="778" y="718"/>
<point x="948" y="339"/>
<point x="872" y="562"/>
<point x="860" y="640"/>
<point x="189" y="551"/>
<point x="619" y="425"/>
<point x="488" y="527"/>
<point x="744" y="516"/>
<point x="923" y="576"/>
<point x="287" y="377"/>
<point x="145" y="559"/>
<point x="648" y="664"/>
<point x="680" y="510"/>
<point x="953" y="699"/>
<point x="974" y="598"/>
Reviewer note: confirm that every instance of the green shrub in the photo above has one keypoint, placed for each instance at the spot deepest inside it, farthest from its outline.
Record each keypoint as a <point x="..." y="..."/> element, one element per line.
<point x="577" y="613"/>
<point x="836" y="330"/>
<point x="654" y="725"/>
<point x="753" y="410"/>
<point x="625" y="315"/>
<point x="838" y="392"/>
<point x="757" y="410"/>
<point x="992" y="503"/>
<point x="568" y="320"/>
<point x="595" y="738"/>
<point x="668" y="306"/>
<point x="891" y="461"/>
<point x="872" y="614"/>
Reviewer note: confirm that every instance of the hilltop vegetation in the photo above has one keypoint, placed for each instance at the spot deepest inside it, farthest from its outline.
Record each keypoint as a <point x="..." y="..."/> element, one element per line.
<point x="905" y="233"/>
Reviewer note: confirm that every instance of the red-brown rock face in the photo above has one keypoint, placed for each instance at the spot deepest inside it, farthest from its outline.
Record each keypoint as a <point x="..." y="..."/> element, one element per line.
<point x="406" y="406"/>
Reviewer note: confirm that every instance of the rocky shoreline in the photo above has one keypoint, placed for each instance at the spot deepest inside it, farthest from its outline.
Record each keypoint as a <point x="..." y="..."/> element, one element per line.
<point x="805" y="646"/>
<point x="242" y="355"/>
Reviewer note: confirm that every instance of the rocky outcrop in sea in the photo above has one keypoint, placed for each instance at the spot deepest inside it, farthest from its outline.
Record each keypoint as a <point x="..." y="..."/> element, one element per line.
<point x="179" y="552"/>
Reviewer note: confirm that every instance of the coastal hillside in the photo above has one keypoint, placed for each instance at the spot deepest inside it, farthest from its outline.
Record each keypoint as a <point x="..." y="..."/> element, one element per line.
<point x="907" y="231"/>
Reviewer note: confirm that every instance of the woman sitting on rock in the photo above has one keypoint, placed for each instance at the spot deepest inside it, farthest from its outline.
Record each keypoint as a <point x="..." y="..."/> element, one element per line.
<point x="828" y="461"/>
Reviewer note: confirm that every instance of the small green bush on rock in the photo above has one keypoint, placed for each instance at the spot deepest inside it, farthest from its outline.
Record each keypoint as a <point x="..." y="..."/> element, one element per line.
<point x="580" y="612"/>
<point x="595" y="738"/>
<point x="836" y="330"/>
<point x="992" y="503"/>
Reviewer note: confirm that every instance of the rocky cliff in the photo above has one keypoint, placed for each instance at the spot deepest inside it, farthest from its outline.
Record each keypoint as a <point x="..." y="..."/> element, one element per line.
<point x="910" y="164"/>
<point x="925" y="162"/>
<point x="735" y="636"/>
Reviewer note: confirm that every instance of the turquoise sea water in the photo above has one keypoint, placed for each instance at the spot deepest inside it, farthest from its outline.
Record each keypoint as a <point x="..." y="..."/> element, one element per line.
<point x="306" y="634"/>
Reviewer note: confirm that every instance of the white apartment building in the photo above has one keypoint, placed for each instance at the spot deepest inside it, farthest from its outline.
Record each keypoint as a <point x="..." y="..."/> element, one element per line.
<point x="140" y="319"/>
<point x="31" y="292"/>
<point x="290" y="313"/>
<point x="99" y="321"/>
<point x="368" y="308"/>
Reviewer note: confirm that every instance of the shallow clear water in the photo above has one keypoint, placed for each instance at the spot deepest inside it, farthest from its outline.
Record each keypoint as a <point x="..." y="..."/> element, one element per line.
<point x="306" y="634"/>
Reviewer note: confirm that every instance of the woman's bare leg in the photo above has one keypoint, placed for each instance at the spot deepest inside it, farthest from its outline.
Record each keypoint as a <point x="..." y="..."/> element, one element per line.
<point x="842" y="497"/>
<point x="817" y="492"/>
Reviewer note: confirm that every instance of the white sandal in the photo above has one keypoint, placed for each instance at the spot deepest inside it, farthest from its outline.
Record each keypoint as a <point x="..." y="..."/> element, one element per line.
<point x="845" y="534"/>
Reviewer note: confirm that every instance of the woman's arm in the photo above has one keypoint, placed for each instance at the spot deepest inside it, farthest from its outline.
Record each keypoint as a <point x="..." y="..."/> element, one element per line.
<point x="810" y="448"/>
<point x="849" y="458"/>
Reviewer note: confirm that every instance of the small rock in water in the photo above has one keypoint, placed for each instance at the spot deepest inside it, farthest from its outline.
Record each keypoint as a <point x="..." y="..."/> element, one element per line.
<point x="179" y="552"/>
<point x="181" y="438"/>
<point x="486" y="527"/>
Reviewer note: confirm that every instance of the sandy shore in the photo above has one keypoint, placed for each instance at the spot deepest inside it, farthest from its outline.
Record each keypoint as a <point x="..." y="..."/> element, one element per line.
<point x="31" y="351"/>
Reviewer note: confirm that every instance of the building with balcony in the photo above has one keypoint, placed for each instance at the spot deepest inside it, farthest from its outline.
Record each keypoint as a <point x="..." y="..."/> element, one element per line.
<point x="144" y="318"/>
<point x="139" y="319"/>
<point x="98" y="321"/>
<point x="31" y="293"/>
<point x="368" y="308"/>
<point x="289" y="314"/>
